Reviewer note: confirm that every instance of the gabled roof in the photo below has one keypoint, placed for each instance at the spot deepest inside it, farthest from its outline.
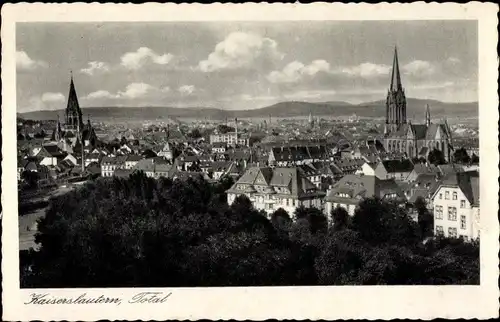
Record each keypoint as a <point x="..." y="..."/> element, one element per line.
<point x="362" y="186"/>
<point x="468" y="182"/>
<point x="392" y="166"/>
<point x="290" y="178"/>
<point x="425" y="168"/>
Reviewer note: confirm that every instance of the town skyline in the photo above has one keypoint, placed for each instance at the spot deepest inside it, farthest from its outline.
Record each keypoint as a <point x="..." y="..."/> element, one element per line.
<point x="241" y="66"/>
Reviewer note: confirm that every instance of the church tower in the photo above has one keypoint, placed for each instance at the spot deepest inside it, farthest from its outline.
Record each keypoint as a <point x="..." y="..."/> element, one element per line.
<point x="74" y="120"/>
<point x="427" y="115"/>
<point x="396" y="100"/>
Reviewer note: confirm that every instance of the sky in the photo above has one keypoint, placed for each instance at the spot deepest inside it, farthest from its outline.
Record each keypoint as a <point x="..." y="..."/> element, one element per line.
<point x="241" y="65"/>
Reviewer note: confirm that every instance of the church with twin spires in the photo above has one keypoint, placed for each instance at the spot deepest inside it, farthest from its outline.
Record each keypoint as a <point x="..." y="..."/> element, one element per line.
<point x="74" y="133"/>
<point x="400" y="135"/>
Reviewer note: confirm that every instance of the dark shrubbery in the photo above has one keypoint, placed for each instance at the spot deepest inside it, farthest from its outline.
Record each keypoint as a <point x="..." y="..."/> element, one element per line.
<point x="143" y="232"/>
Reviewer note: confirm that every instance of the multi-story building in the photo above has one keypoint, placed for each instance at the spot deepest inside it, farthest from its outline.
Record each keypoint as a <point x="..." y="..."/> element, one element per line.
<point x="110" y="164"/>
<point x="272" y="188"/>
<point x="230" y="138"/>
<point x="352" y="188"/>
<point x="456" y="206"/>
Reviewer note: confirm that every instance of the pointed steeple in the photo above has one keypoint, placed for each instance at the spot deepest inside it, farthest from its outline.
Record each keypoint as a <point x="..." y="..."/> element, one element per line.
<point x="73" y="112"/>
<point x="427" y="115"/>
<point x="396" y="100"/>
<point x="396" y="76"/>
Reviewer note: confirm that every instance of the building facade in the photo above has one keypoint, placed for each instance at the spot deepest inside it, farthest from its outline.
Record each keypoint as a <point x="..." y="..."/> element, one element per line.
<point x="272" y="188"/>
<point x="456" y="206"/>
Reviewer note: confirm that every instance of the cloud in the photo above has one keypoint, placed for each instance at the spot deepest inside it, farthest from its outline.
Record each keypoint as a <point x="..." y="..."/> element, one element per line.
<point x="53" y="97"/>
<point x="367" y="70"/>
<point x="241" y="50"/>
<point x="46" y="101"/>
<point x="94" y="67"/>
<point x="295" y="71"/>
<point x="100" y="94"/>
<point x="419" y="68"/>
<point x="24" y="62"/>
<point x="137" y="59"/>
<point x="132" y="91"/>
<point x="136" y="90"/>
<point x="186" y="89"/>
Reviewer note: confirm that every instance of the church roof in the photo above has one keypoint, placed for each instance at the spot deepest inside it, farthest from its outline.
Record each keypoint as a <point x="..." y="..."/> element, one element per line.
<point x="419" y="131"/>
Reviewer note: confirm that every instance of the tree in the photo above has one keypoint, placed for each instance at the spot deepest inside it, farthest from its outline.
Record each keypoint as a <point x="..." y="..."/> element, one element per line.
<point x="340" y="218"/>
<point x="461" y="156"/>
<point x="281" y="220"/>
<point x="425" y="218"/>
<point x="222" y="128"/>
<point x="138" y="231"/>
<point x="30" y="178"/>
<point x="195" y="134"/>
<point x="436" y="157"/>
<point x="381" y="222"/>
<point x="474" y="159"/>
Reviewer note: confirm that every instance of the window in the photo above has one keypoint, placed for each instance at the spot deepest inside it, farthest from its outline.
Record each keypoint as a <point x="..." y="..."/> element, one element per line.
<point x="455" y="196"/>
<point x="463" y="222"/>
<point x="439" y="212"/>
<point x="440" y="196"/>
<point x="439" y="230"/>
<point x="452" y="213"/>
<point x="447" y="195"/>
<point x="462" y="203"/>
<point x="452" y="232"/>
<point x="464" y="238"/>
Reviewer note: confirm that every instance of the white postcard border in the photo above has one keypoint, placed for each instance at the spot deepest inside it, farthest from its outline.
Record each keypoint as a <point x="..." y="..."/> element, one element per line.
<point x="259" y="303"/>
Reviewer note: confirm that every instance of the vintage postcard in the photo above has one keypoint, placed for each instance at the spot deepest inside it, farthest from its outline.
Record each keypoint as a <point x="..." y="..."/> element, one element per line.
<point x="251" y="161"/>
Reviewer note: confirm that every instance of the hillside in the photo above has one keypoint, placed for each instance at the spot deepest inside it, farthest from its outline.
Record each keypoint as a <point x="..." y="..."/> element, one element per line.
<point x="415" y="110"/>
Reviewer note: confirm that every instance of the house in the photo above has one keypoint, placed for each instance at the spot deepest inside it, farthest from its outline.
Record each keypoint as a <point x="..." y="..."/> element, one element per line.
<point x="351" y="189"/>
<point x="394" y="169"/>
<point x="110" y="164"/>
<point x="154" y="167"/>
<point x="132" y="160"/>
<point x="348" y="165"/>
<point x="166" y="152"/>
<point x="368" y="169"/>
<point x="456" y="206"/>
<point x="312" y="173"/>
<point x="25" y="165"/>
<point x="272" y="188"/>
<point x="50" y="155"/>
<point x="423" y="169"/>
<point x="219" y="147"/>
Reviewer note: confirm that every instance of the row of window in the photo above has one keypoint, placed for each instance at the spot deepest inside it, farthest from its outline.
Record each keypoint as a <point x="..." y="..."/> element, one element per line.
<point x="452" y="232"/>
<point x="452" y="215"/>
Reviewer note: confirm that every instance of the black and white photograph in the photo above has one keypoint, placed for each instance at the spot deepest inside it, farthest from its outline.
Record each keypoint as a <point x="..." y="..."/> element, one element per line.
<point x="247" y="153"/>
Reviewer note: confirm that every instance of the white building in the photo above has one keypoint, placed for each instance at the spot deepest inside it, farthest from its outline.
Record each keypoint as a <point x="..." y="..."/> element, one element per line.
<point x="230" y="138"/>
<point x="110" y="164"/>
<point x="456" y="206"/>
<point x="272" y="188"/>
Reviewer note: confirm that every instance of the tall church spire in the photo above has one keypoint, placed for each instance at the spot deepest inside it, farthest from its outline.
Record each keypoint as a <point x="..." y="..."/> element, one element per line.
<point x="74" y="117"/>
<point x="396" y="99"/>
<point x="396" y="76"/>
<point x="427" y="115"/>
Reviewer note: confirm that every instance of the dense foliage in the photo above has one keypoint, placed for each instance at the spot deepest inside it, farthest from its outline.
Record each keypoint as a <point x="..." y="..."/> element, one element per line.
<point x="461" y="156"/>
<point x="145" y="232"/>
<point x="436" y="157"/>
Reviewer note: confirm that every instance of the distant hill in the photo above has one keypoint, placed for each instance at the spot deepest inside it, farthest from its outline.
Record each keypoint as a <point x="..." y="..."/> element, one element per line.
<point x="415" y="110"/>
